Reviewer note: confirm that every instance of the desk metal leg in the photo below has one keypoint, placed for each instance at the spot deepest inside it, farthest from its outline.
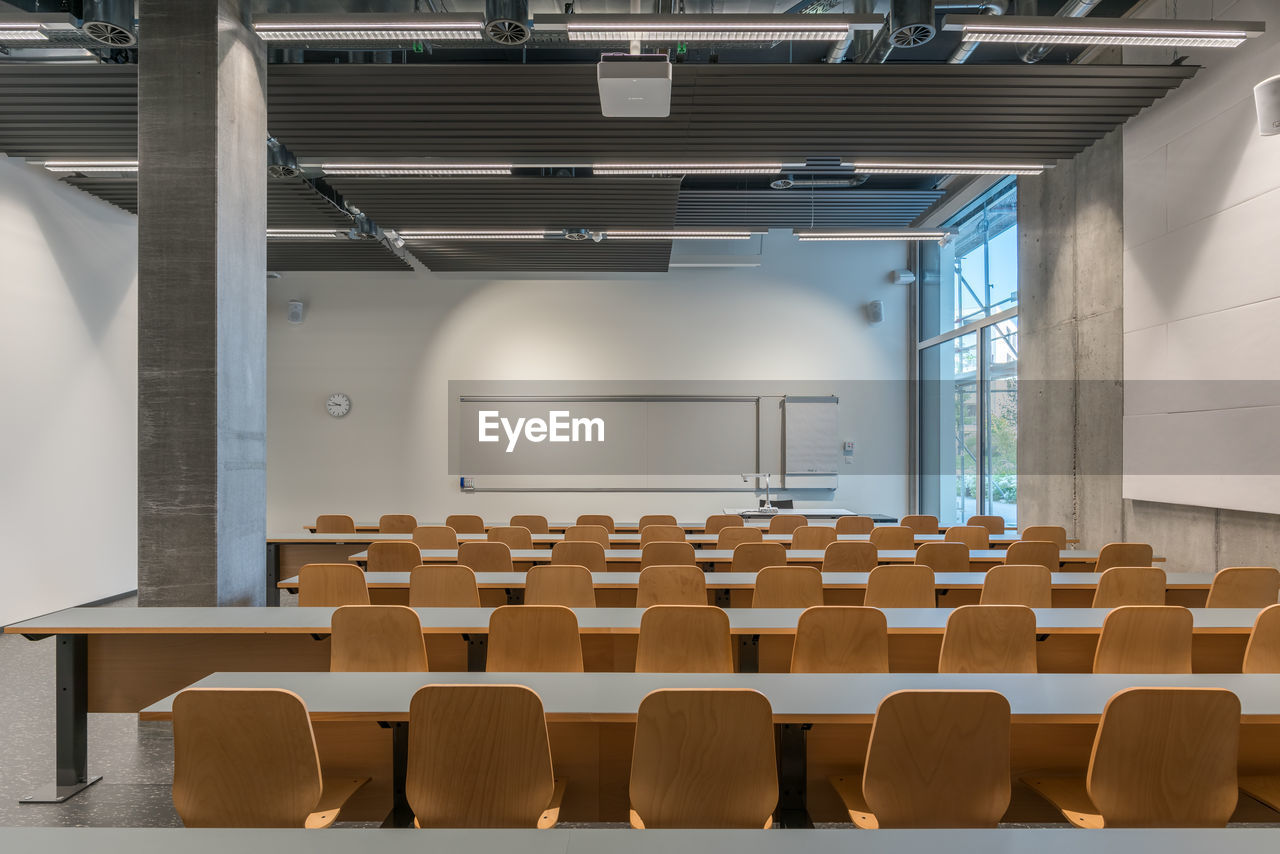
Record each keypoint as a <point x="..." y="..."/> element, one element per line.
<point x="401" y="815"/>
<point x="71" y="705"/>
<point x="273" y="574"/>
<point x="477" y="652"/>
<point x="748" y="653"/>
<point x="792" y="770"/>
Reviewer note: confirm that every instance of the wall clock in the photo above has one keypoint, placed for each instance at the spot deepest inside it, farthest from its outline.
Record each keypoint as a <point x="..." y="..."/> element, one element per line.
<point x="338" y="404"/>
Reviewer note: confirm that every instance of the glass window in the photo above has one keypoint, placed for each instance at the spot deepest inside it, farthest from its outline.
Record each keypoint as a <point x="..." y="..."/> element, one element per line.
<point x="949" y="430"/>
<point x="1000" y="422"/>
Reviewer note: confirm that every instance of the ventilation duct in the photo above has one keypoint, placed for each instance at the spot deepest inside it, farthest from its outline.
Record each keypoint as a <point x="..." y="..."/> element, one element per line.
<point x="506" y="22"/>
<point x="911" y="23"/>
<point x="1070" y="9"/>
<point x="791" y="182"/>
<point x="965" y="49"/>
<point x="108" y="22"/>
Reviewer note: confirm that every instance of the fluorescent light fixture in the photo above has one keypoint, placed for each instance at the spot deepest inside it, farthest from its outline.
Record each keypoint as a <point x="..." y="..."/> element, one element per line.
<point x="610" y="234"/>
<point x="613" y="29"/>
<point x="686" y="168"/>
<point x="357" y="28"/>
<point x="1101" y="31"/>
<point x="16" y="32"/>
<point x="887" y="167"/>
<point x="476" y="234"/>
<point x="870" y="234"/>
<point x="91" y="165"/>
<point x="305" y="233"/>
<point x="414" y="170"/>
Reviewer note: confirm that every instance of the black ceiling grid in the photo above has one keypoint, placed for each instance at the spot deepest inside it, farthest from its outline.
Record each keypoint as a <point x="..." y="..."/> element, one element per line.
<point x="332" y="256"/>
<point x="802" y="208"/>
<point x="545" y="256"/>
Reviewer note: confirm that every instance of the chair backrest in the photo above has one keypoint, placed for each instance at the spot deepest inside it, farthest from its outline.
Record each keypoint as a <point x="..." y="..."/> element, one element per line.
<point x="479" y="756"/>
<point x="396" y="523"/>
<point x="1034" y="553"/>
<point x="655" y="519"/>
<point x="994" y="524"/>
<point x="1018" y="584"/>
<point x="1123" y="554"/>
<point x="539" y="638"/>
<point x="893" y="537"/>
<point x="787" y="587"/>
<point x="900" y="586"/>
<point x="667" y="554"/>
<point x="1145" y="639"/>
<point x="376" y="638"/>
<point x="1130" y="585"/>
<point x="921" y="524"/>
<point x="671" y="585"/>
<point x="335" y="523"/>
<point x="560" y="584"/>
<point x="435" y="537"/>
<point x="717" y="522"/>
<point x="536" y="524"/>
<point x="515" y="536"/>
<point x="586" y="553"/>
<point x="815" y="537"/>
<point x="587" y="534"/>
<point x="444" y="586"/>
<point x="661" y="534"/>
<point x="855" y="525"/>
<point x="1166" y="757"/>
<point x="704" y="759"/>
<point x="730" y="538"/>
<point x="849" y="557"/>
<point x="989" y="639"/>
<point x="973" y="536"/>
<point x="485" y="556"/>
<point x="753" y="557"/>
<point x="1262" y="655"/>
<point x="243" y="757"/>
<point x="1244" y="587"/>
<point x="684" y="639"/>
<point x="786" y="523"/>
<point x="841" y="639"/>
<point x="939" y="759"/>
<point x="943" y="557"/>
<point x="465" y="523"/>
<point x="394" y="556"/>
<point x="331" y="585"/>
<point x="1055" y="534"/>
<point x="603" y="521"/>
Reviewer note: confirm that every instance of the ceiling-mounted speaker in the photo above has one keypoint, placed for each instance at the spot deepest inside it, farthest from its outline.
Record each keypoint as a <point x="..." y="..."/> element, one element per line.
<point x="1267" y="96"/>
<point x="506" y="22"/>
<point x="109" y="22"/>
<point x="911" y="22"/>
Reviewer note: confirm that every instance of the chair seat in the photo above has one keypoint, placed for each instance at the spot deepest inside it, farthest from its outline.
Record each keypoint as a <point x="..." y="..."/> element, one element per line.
<point x="551" y="814"/>
<point x="1262" y="787"/>
<point x="849" y="788"/>
<point x="1070" y="795"/>
<point x="638" y="823"/>
<point x="337" y="791"/>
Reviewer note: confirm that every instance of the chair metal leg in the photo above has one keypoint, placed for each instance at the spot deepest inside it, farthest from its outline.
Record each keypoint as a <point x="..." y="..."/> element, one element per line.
<point x="792" y="770"/>
<point x="401" y="815"/>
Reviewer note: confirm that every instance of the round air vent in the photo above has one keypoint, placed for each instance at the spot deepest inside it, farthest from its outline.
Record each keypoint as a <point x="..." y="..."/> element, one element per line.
<point x="911" y="22"/>
<point x="577" y="234"/>
<point x="912" y="36"/>
<point x="783" y="184"/>
<point x="109" y="22"/>
<point x="506" y="22"/>
<point x="506" y="32"/>
<point x="283" y="170"/>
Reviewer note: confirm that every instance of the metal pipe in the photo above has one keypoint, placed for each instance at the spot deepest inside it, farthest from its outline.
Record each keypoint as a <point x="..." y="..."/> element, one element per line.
<point x="859" y="40"/>
<point x="964" y="50"/>
<point x="1071" y="9"/>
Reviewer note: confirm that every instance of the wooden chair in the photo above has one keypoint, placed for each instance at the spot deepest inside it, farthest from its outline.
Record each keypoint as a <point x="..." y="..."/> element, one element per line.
<point x="1262" y="655"/>
<point x="538" y="638"/>
<point x="787" y="587"/>
<point x="586" y="553"/>
<point x="435" y="537"/>
<point x="893" y="537"/>
<point x="1130" y="585"/>
<point x="730" y="538"/>
<point x="331" y="584"/>
<point x="989" y="639"/>
<point x="703" y="759"/>
<point x="535" y="524"/>
<point x="944" y="557"/>
<point x="1162" y="757"/>
<point x="753" y="557"/>
<point x="247" y="758"/>
<point x="1034" y="553"/>
<point x="332" y="523"/>
<point x="813" y="537"/>
<point x="900" y="586"/>
<point x="393" y="556"/>
<point x="605" y="522"/>
<point x="376" y="638"/>
<point x="849" y="557"/>
<point x="1145" y="639"/>
<point x="671" y="585"/>
<point x="1123" y="554"/>
<point x="994" y="524"/>
<point x="465" y="524"/>
<point x="661" y="534"/>
<point x="684" y="639"/>
<point x="1055" y="534"/>
<point x="515" y="536"/>
<point x="855" y="525"/>
<point x="485" y="556"/>
<point x="1017" y="584"/>
<point x="655" y="519"/>
<point x="443" y="586"/>
<point x="1244" y="587"/>
<point x="786" y="523"/>
<point x="841" y="639"/>
<point x="717" y="522"/>
<point x="973" y="536"/>
<point x="920" y="524"/>
<point x="396" y="523"/>
<point x="667" y="554"/>
<point x="935" y="759"/>
<point x="479" y="756"/>
<point x="558" y="584"/>
<point x="587" y="534"/>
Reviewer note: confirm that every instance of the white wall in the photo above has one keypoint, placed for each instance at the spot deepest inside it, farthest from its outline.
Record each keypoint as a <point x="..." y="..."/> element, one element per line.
<point x="1201" y="292"/>
<point x="68" y="381"/>
<point x="393" y="342"/>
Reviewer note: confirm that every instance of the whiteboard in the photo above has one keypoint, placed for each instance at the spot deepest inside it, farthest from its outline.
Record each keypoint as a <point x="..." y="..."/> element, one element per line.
<point x="811" y="448"/>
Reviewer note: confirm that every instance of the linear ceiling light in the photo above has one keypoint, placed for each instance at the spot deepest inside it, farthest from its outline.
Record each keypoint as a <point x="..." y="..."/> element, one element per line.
<point x="885" y="167"/>
<point x="1103" y="31"/>
<point x="305" y="233"/>
<point x="15" y="32"/>
<point x="871" y="234"/>
<point x="705" y="28"/>
<point x="412" y="170"/>
<point x="91" y="165"/>
<point x="477" y="234"/>
<point x="678" y="235"/>
<point x="686" y="168"/>
<point x="356" y="28"/>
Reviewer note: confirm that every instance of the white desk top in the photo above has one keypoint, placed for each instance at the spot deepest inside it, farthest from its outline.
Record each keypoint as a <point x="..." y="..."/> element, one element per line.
<point x="813" y="557"/>
<point x="306" y="538"/>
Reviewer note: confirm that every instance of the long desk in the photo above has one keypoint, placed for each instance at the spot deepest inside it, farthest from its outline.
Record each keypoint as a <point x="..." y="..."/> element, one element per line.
<point x="688" y="524"/>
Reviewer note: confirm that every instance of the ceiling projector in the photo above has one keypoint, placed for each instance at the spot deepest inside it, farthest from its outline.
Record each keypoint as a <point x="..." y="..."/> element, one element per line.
<point x="634" y="86"/>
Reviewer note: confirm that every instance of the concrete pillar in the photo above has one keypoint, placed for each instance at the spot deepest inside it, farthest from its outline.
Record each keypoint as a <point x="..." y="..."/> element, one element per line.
<point x="202" y="305"/>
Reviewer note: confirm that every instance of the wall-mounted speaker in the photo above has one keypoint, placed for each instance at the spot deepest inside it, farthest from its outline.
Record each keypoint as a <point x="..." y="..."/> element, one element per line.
<point x="1267" y="96"/>
<point x="296" y="310"/>
<point x="875" y="312"/>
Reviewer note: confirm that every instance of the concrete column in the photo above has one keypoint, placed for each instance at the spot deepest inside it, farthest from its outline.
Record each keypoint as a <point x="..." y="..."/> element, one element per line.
<point x="202" y="305"/>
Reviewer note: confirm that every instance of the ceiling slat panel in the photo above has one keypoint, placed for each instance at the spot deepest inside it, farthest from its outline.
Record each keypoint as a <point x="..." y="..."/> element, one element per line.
<point x="801" y="208"/>
<point x="548" y="256"/>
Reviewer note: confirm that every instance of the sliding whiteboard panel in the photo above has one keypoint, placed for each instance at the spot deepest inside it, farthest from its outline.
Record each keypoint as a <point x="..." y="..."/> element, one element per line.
<point x="811" y="448"/>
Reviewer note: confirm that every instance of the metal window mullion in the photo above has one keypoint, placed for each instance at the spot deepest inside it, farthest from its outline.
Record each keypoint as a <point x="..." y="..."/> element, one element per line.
<point x="980" y="444"/>
<point x="974" y="326"/>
